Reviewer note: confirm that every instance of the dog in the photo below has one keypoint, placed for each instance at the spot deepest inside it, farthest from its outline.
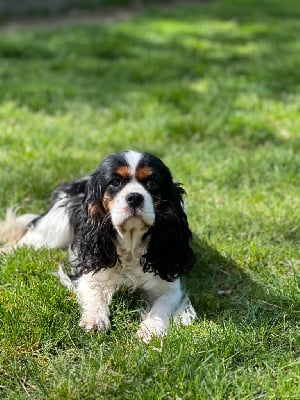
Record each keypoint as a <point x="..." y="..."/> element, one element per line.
<point x="124" y="225"/>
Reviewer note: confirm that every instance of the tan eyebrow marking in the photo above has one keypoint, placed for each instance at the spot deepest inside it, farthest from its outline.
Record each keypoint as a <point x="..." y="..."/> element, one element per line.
<point x="123" y="171"/>
<point x="143" y="173"/>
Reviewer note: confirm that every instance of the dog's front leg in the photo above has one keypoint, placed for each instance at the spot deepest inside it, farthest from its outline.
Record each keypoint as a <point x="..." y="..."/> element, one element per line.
<point x="94" y="297"/>
<point x="164" y="300"/>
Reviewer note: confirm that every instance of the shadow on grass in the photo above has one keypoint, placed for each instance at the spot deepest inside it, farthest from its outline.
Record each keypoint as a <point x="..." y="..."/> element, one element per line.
<point x="221" y="291"/>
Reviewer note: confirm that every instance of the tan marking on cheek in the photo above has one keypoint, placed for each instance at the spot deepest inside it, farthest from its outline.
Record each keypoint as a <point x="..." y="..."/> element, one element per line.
<point x="94" y="210"/>
<point x="123" y="171"/>
<point x="143" y="173"/>
<point x="107" y="202"/>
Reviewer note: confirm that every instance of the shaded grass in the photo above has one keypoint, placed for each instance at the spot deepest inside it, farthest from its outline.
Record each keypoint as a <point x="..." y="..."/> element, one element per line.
<point x="10" y="10"/>
<point x="213" y="89"/>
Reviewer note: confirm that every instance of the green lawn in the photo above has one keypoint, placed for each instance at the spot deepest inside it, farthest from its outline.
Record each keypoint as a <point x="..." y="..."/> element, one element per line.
<point x="213" y="88"/>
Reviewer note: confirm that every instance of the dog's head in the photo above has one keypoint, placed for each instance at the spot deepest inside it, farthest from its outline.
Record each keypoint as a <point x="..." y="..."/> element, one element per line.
<point x="128" y="192"/>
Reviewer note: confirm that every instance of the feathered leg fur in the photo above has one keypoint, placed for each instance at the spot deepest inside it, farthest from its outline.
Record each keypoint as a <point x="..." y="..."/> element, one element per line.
<point x="13" y="228"/>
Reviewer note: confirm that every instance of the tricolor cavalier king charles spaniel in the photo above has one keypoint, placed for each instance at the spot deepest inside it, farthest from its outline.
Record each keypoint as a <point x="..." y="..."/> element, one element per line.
<point x="124" y="225"/>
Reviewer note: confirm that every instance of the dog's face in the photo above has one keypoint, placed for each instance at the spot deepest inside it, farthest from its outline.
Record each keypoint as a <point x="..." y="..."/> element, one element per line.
<point x="131" y="187"/>
<point x="134" y="193"/>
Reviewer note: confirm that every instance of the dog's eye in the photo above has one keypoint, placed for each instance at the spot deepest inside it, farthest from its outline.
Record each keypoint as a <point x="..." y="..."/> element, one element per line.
<point x="115" y="182"/>
<point x="152" y="182"/>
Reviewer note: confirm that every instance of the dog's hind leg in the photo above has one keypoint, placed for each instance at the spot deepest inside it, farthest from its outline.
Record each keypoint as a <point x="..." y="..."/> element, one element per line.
<point x="52" y="230"/>
<point x="13" y="228"/>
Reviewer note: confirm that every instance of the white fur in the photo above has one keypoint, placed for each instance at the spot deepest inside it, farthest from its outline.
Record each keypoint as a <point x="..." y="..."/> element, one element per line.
<point x="53" y="230"/>
<point x="121" y="212"/>
<point x="132" y="158"/>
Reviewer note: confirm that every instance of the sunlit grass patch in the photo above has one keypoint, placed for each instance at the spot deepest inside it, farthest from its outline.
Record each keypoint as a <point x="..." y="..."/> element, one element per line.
<point x="213" y="89"/>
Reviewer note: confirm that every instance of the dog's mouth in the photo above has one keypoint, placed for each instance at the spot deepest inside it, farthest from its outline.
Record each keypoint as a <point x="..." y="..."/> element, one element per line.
<point x="134" y="221"/>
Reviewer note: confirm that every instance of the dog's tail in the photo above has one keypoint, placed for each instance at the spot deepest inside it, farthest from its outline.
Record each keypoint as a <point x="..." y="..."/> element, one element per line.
<point x="13" y="228"/>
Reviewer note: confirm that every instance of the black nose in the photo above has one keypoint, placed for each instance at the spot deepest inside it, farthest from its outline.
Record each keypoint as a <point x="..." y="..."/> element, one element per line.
<point x="134" y="200"/>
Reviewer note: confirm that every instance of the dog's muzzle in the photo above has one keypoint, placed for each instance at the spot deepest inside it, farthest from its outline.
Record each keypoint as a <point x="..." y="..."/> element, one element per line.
<point x="135" y="200"/>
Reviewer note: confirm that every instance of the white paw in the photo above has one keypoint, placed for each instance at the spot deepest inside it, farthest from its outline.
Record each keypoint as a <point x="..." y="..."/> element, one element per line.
<point x="95" y="322"/>
<point x="185" y="314"/>
<point x="150" y="328"/>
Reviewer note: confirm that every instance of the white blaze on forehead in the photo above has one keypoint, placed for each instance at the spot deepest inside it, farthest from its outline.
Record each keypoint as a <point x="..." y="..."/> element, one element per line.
<point x="121" y="212"/>
<point x="132" y="158"/>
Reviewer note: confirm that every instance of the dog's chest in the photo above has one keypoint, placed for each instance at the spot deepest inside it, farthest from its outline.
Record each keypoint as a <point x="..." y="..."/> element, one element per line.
<point x="128" y="270"/>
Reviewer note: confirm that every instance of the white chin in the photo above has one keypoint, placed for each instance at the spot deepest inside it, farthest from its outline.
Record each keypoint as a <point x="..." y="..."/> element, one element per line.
<point x="133" y="222"/>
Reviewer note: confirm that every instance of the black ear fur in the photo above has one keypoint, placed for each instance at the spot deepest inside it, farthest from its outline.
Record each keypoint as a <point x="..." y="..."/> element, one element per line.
<point x="93" y="244"/>
<point x="169" y="253"/>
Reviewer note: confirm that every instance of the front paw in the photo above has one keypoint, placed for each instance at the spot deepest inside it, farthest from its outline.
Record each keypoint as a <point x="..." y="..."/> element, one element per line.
<point x="150" y="328"/>
<point x="95" y="322"/>
<point x="186" y="314"/>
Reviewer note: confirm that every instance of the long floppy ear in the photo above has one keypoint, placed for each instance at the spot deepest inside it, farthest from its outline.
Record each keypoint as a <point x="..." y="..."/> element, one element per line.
<point x="93" y="245"/>
<point x="169" y="253"/>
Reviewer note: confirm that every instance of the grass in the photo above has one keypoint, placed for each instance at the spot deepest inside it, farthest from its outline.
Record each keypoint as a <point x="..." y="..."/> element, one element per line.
<point x="213" y="89"/>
